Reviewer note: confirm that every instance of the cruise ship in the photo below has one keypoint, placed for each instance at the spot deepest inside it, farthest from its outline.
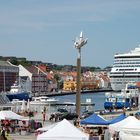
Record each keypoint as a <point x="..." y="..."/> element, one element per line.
<point x="126" y="69"/>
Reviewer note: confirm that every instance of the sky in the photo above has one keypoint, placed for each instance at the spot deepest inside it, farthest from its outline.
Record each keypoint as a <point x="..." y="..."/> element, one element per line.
<point x="45" y="30"/>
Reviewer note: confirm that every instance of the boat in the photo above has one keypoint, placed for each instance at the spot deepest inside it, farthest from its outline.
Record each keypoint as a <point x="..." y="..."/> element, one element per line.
<point x="126" y="68"/>
<point x="17" y="92"/>
<point x="18" y="102"/>
<point x="43" y="100"/>
<point x="69" y="103"/>
<point x="127" y="98"/>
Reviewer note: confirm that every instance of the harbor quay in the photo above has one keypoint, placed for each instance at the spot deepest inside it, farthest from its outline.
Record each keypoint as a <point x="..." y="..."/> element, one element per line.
<point x="115" y="113"/>
<point x="50" y="94"/>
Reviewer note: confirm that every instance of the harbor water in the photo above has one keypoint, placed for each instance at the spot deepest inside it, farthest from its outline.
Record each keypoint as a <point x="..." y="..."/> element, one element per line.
<point x="98" y="98"/>
<point x="94" y="98"/>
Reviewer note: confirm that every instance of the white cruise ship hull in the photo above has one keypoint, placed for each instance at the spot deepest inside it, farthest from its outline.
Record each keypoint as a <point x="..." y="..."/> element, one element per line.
<point x="119" y="83"/>
<point x="126" y="69"/>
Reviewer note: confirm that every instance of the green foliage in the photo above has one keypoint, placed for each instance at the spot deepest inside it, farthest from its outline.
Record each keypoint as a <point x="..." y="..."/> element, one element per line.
<point x="61" y="84"/>
<point x="57" y="77"/>
<point x="24" y="63"/>
<point x="14" y="61"/>
<point x="57" y="67"/>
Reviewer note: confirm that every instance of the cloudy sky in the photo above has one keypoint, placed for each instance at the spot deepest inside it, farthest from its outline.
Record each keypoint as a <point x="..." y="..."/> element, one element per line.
<point x="44" y="30"/>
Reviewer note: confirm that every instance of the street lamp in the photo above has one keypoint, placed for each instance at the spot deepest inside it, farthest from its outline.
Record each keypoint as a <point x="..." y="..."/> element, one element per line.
<point x="78" y="44"/>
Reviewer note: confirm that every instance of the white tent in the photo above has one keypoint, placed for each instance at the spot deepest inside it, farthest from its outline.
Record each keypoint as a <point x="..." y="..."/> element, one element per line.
<point x="28" y="105"/>
<point x="23" y="106"/>
<point x="9" y="115"/>
<point x="47" y="127"/>
<point x="128" y="124"/>
<point x="129" y="136"/>
<point x="64" y="130"/>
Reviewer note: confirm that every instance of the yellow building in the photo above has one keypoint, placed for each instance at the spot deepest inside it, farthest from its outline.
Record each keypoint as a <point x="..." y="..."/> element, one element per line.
<point x="69" y="85"/>
<point x="89" y="85"/>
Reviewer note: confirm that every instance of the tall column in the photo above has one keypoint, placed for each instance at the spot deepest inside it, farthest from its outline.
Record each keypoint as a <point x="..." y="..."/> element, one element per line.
<point x="78" y="93"/>
<point x="79" y="43"/>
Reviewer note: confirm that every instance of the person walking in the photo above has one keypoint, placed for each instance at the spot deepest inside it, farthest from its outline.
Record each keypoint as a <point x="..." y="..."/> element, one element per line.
<point x="3" y="135"/>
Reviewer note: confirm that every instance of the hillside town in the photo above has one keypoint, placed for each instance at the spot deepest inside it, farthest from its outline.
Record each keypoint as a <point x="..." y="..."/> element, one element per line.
<point x="38" y="77"/>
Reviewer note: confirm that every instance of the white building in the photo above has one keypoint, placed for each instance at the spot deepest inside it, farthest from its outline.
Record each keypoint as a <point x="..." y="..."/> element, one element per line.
<point x="25" y="78"/>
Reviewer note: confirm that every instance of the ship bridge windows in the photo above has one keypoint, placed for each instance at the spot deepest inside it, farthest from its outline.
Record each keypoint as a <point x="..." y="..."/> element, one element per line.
<point x="119" y="66"/>
<point x="125" y="73"/>
<point x="126" y="69"/>
<point x="127" y="61"/>
<point x="122" y="57"/>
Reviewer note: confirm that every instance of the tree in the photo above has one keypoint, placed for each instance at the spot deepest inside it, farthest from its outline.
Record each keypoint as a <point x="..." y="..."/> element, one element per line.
<point x="58" y="80"/>
<point x="14" y="61"/>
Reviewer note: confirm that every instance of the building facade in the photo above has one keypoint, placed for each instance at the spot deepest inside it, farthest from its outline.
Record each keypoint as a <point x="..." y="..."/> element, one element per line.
<point x="8" y="75"/>
<point x="37" y="79"/>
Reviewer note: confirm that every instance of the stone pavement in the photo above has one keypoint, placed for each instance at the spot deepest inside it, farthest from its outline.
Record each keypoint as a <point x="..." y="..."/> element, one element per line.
<point x="22" y="137"/>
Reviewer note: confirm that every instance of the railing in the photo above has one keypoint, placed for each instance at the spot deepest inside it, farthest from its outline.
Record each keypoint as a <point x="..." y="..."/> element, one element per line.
<point x="3" y="98"/>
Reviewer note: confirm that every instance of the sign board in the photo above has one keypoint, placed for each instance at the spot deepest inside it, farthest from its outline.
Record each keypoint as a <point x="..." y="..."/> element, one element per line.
<point x="88" y="100"/>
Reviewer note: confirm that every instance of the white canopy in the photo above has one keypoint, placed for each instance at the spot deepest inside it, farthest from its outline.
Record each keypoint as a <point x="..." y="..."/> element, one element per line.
<point x="129" y="136"/>
<point x="128" y="124"/>
<point x="9" y="115"/>
<point x="28" y="105"/>
<point x="46" y="128"/>
<point x="64" y="130"/>
<point x="23" y="106"/>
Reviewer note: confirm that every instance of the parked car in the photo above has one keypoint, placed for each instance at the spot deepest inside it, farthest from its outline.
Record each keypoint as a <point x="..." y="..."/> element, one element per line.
<point x="68" y="116"/>
<point x="86" y="114"/>
<point x="62" y="110"/>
